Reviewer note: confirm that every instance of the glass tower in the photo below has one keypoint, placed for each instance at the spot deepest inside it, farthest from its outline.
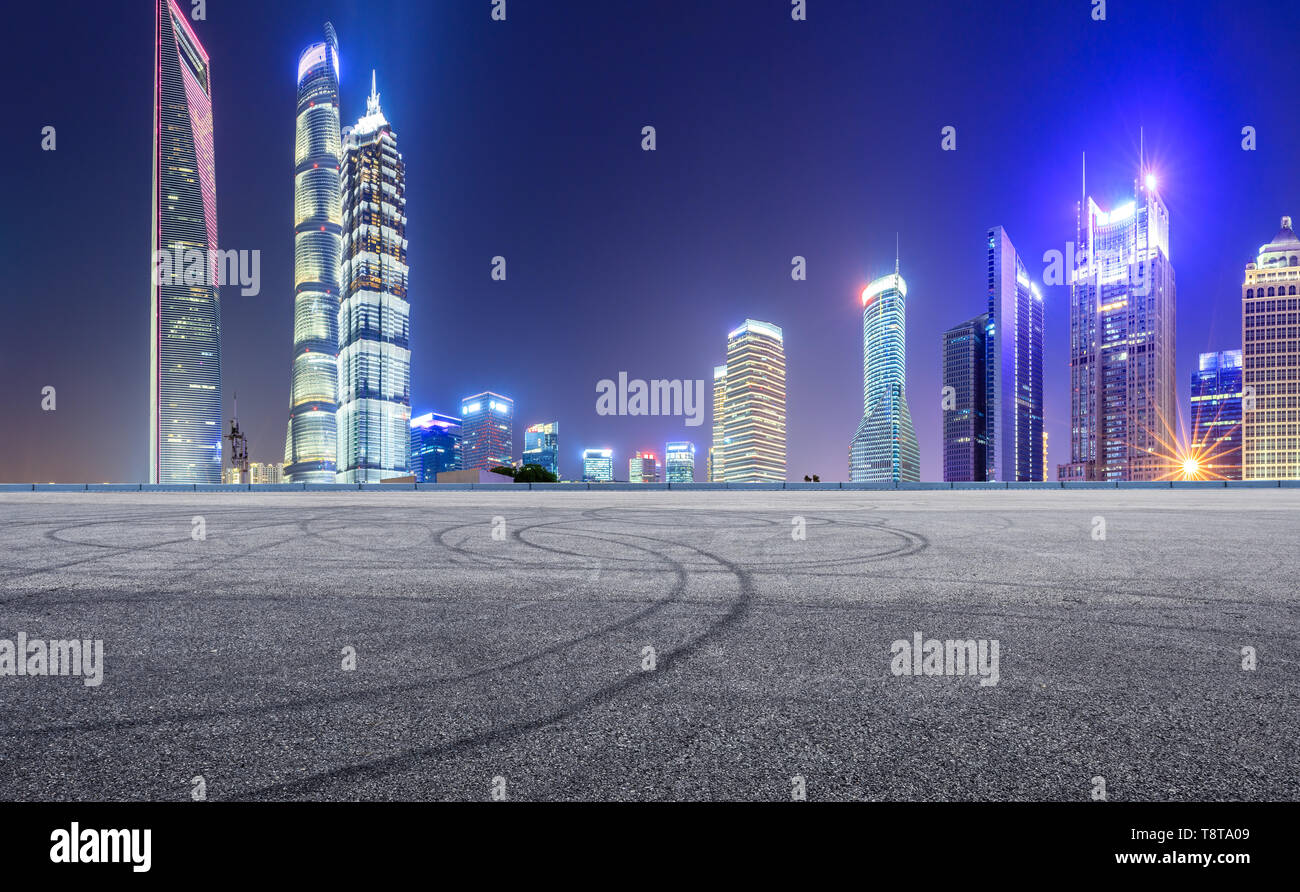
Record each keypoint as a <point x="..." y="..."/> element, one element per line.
<point x="374" y="415"/>
<point x="598" y="465"/>
<point x="965" y="439"/>
<point x="487" y="439"/>
<point x="542" y="446"/>
<point x="1216" y="415"/>
<point x="884" y="446"/>
<point x="310" y="446"/>
<point x="185" y="414"/>
<point x="435" y="446"/>
<point x="1123" y="400"/>
<point x="643" y="467"/>
<point x="679" y="462"/>
<point x="1271" y="360"/>
<point x="1013" y="367"/>
<point x="718" y="448"/>
<point x="753" y="410"/>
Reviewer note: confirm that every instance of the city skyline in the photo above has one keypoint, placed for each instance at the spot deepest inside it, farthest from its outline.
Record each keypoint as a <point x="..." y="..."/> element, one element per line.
<point x="803" y="309"/>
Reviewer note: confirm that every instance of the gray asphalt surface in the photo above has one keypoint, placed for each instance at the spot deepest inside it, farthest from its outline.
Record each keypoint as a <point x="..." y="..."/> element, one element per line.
<point x="522" y="659"/>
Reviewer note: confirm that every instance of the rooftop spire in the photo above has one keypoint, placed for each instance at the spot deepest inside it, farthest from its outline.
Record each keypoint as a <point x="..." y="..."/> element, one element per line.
<point x="372" y="103"/>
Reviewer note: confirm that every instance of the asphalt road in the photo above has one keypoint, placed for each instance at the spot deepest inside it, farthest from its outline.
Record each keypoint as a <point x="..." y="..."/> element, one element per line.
<point x="518" y="663"/>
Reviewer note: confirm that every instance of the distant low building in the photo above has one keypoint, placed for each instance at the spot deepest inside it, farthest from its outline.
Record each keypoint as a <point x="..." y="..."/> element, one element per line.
<point x="598" y="465"/>
<point x="473" y="475"/>
<point x="679" y="462"/>
<point x="435" y="446"/>
<point x="643" y="468"/>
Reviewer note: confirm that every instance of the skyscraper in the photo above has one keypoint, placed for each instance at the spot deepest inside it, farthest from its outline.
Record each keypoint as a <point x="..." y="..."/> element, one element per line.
<point x="1123" y="408"/>
<point x="884" y="446"/>
<point x="679" y="462"/>
<point x="642" y="467"/>
<point x="185" y="418"/>
<point x="965" y="437"/>
<point x="435" y="446"/>
<point x="542" y="446"/>
<point x="374" y="416"/>
<point x="1013" y="367"/>
<point x="311" y="445"/>
<point x="1271" y="360"/>
<point x="1216" y="415"/>
<point x="487" y="440"/>
<point x="754" y="405"/>
<point x="718" y="448"/>
<point x="598" y="465"/>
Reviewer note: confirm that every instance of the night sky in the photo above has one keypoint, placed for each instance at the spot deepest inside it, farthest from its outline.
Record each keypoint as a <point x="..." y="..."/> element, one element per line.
<point x="523" y="139"/>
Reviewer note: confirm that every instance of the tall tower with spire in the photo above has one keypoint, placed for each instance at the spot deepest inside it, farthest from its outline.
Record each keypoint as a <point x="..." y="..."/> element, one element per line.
<point x="374" y="346"/>
<point x="884" y="446"/>
<point x="310" y="446"/>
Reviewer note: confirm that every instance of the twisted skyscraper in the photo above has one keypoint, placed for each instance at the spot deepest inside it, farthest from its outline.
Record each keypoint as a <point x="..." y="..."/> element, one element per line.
<point x="310" y="448"/>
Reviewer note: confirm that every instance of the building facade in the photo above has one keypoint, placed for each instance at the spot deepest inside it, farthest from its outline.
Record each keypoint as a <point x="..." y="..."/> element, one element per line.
<point x="679" y="462"/>
<point x="185" y="417"/>
<point x="435" y="446"/>
<point x="718" y="448"/>
<point x="884" y="446"/>
<point x="965" y="438"/>
<point x="1013" y="367"/>
<point x="542" y="446"/>
<point x="311" y="443"/>
<point x="754" y="418"/>
<point x="1271" y="360"/>
<point x="1123" y="408"/>
<point x="487" y="439"/>
<point x="374" y="414"/>
<point x="598" y="466"/>
<point x="1216" y="415"/>
<point x="643" y="467"/>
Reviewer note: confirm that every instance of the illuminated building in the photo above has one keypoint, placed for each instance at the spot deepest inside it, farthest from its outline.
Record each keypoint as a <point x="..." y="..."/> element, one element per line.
<point x="487" y="432"/>
<point x="598" y="465"/>
<point x="1123" y="408"/>
<point x="1216" y="415"/>
<point x="185" y="417"/>
<point x="374" y="415"/>
<point x="965" y="438"/>
<point x="542" y="446"/>
<point x="1271" y="360"/>
<point x="435" y="446"/>
<point x="643" y="468"/>
<point x="679" y="462"/>
<point x="718" y="448"/>
<point x="311" y="445"/>
<point x="754" y="405"/>
<point x="884" y="447"/>
<point x="1013" y="343"/>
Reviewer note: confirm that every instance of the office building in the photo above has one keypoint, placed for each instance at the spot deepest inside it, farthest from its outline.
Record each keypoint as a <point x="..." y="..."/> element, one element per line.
<point x="1123" y="409"/>
<point x="884" y="446"/>
<point x="1013" y="343"/>
<point x="487" y="431"/>
<point x="718" y="448"/>
<point x="374" y="414"/>
<point x="965" y="438"/>
<point x="311" y="442"/>
<point x="679" y="462"/>
<point x="185" y="413"/>
<point x="598" y="466"/>
<point x="542" y="446"/>
<point x="1216" y="416"/>
<point x="754" y="433"/>
<point x="642" y="467"/>
<point x="435" y="446"/>
<point x="1271" y="360"/>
